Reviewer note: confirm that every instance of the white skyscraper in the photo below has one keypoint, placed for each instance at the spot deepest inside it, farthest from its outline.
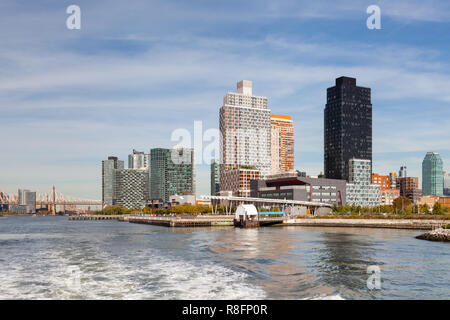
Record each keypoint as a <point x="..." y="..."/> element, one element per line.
<point x="245" y="130"/>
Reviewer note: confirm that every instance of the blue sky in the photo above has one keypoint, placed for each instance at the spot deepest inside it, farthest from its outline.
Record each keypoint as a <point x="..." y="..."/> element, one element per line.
<point x="138" y="70"/>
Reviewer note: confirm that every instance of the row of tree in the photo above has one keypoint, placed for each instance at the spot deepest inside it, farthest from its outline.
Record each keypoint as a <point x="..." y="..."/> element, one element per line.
<point x="401" y="205"/>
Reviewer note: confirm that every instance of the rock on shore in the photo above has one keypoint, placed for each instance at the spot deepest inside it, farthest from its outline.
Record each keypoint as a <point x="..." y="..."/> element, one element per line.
<point x="436" y="235"/>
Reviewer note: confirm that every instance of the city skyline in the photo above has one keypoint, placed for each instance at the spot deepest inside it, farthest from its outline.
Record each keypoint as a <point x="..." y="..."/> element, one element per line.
<point x="129" y="72"/>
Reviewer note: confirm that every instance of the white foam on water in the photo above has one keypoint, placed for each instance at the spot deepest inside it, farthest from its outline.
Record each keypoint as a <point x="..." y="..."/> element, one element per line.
<point x="87" y="273"/>
<point x="326" y="297"/>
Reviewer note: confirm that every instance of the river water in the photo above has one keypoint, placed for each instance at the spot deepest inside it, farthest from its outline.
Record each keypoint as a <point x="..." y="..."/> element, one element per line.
<point x="53" y="258"/>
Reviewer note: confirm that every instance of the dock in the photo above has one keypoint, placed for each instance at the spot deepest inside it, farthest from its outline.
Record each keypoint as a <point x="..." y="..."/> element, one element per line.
<point x="179" y="222"/>
<point x="97" y="217"/>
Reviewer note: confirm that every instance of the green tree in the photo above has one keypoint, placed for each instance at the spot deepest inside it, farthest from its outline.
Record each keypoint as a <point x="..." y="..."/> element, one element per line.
<point x="437" y="208"/>
<point x="114" y="210"/>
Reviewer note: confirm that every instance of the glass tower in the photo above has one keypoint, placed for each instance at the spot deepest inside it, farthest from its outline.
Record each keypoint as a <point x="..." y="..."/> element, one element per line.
<point x="432" y="175"/>
<point x="215" y="177"/>
<point x="348" y="127"/>
<point x="172" y="172"/>
<point x="109" y="168"/>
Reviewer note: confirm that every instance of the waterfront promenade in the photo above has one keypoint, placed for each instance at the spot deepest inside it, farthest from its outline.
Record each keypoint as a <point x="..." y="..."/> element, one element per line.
<point x="412" y="224"/>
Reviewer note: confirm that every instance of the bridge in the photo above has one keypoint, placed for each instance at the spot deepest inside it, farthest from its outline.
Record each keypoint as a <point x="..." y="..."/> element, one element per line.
<point x="50" y="200"/>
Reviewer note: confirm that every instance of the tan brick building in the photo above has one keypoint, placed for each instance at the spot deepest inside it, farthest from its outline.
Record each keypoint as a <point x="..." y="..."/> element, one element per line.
<point x="282" y="143"/>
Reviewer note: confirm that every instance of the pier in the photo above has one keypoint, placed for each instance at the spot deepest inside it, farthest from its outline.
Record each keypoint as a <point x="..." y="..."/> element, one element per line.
<point x="98" y="217"/>
<point x="179" y="222"/>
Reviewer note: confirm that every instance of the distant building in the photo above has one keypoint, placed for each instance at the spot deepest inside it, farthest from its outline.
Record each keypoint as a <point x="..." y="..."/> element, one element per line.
<point x="109" y="168"/>
<point x="360" y="190"/>
<point x="446" y="184"/>
<point x="131" y="189"/>
<point x="187" y="199"/>
<point x="428" y="200"/>
<point x="215" y="177"/>
<point x="348" y="127"/>
<point x="237" y="181"/>
<point x="172" y="172"/>
<point x="432" y="175"/>
<point x="393" y="180"/>
<point x="409" y="188"/>
<point x="245" y="130"/>
<point x="282" y="143"/>
<point x="383" y="181"/>
<point x="291" y="186"/>
<point x="402" y="173"/>
<point x="139" y="160"/>
<point x="388" y="195"/>
<point x="388" y="187"/>
<point x="445" y="202"/>
<point x="26" y="202"/>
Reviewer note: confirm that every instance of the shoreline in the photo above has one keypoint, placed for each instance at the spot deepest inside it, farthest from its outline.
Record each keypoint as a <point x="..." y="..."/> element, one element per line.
<point x="410" y="224"/>
<point x="209" y="220"/>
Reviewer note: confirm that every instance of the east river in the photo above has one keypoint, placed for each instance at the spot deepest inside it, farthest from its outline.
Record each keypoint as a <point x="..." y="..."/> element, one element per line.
<point x="53" y="258"/>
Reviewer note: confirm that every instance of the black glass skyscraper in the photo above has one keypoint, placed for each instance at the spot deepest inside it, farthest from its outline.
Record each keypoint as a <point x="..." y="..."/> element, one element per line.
<point x="348" y="126"/>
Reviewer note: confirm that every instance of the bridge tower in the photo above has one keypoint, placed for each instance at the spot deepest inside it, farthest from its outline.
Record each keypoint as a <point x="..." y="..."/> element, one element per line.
<point x="53" y="205"/>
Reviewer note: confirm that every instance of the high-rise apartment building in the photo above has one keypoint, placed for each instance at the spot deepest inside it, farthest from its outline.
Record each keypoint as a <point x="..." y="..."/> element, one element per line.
<point x="172" y="172"/>
<point x="237" y="181"/>
<point x="432" y="175"/>
<point x="139" y="160"/>
<point x="348" y="127"/>
<point x="245" y="130"/>
<point x="360" y="190"/>
<point x="282" y="143"/>
<point x="215" y="177"/>
<point x="131" y="188"/>
<point x="109" y="168"/>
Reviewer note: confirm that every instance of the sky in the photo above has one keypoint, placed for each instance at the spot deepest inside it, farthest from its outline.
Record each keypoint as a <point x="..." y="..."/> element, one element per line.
<point x="138" y="70"/>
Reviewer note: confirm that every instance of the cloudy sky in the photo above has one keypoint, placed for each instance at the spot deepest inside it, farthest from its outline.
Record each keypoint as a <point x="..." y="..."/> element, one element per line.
<point x="138" y="70"/>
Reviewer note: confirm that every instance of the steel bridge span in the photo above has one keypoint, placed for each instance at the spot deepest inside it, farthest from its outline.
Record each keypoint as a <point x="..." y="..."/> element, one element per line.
<point x="51" y="200"/>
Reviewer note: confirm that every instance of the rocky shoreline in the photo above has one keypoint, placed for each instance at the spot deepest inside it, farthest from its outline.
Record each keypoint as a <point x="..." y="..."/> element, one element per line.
<point x="436" y="235"/>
